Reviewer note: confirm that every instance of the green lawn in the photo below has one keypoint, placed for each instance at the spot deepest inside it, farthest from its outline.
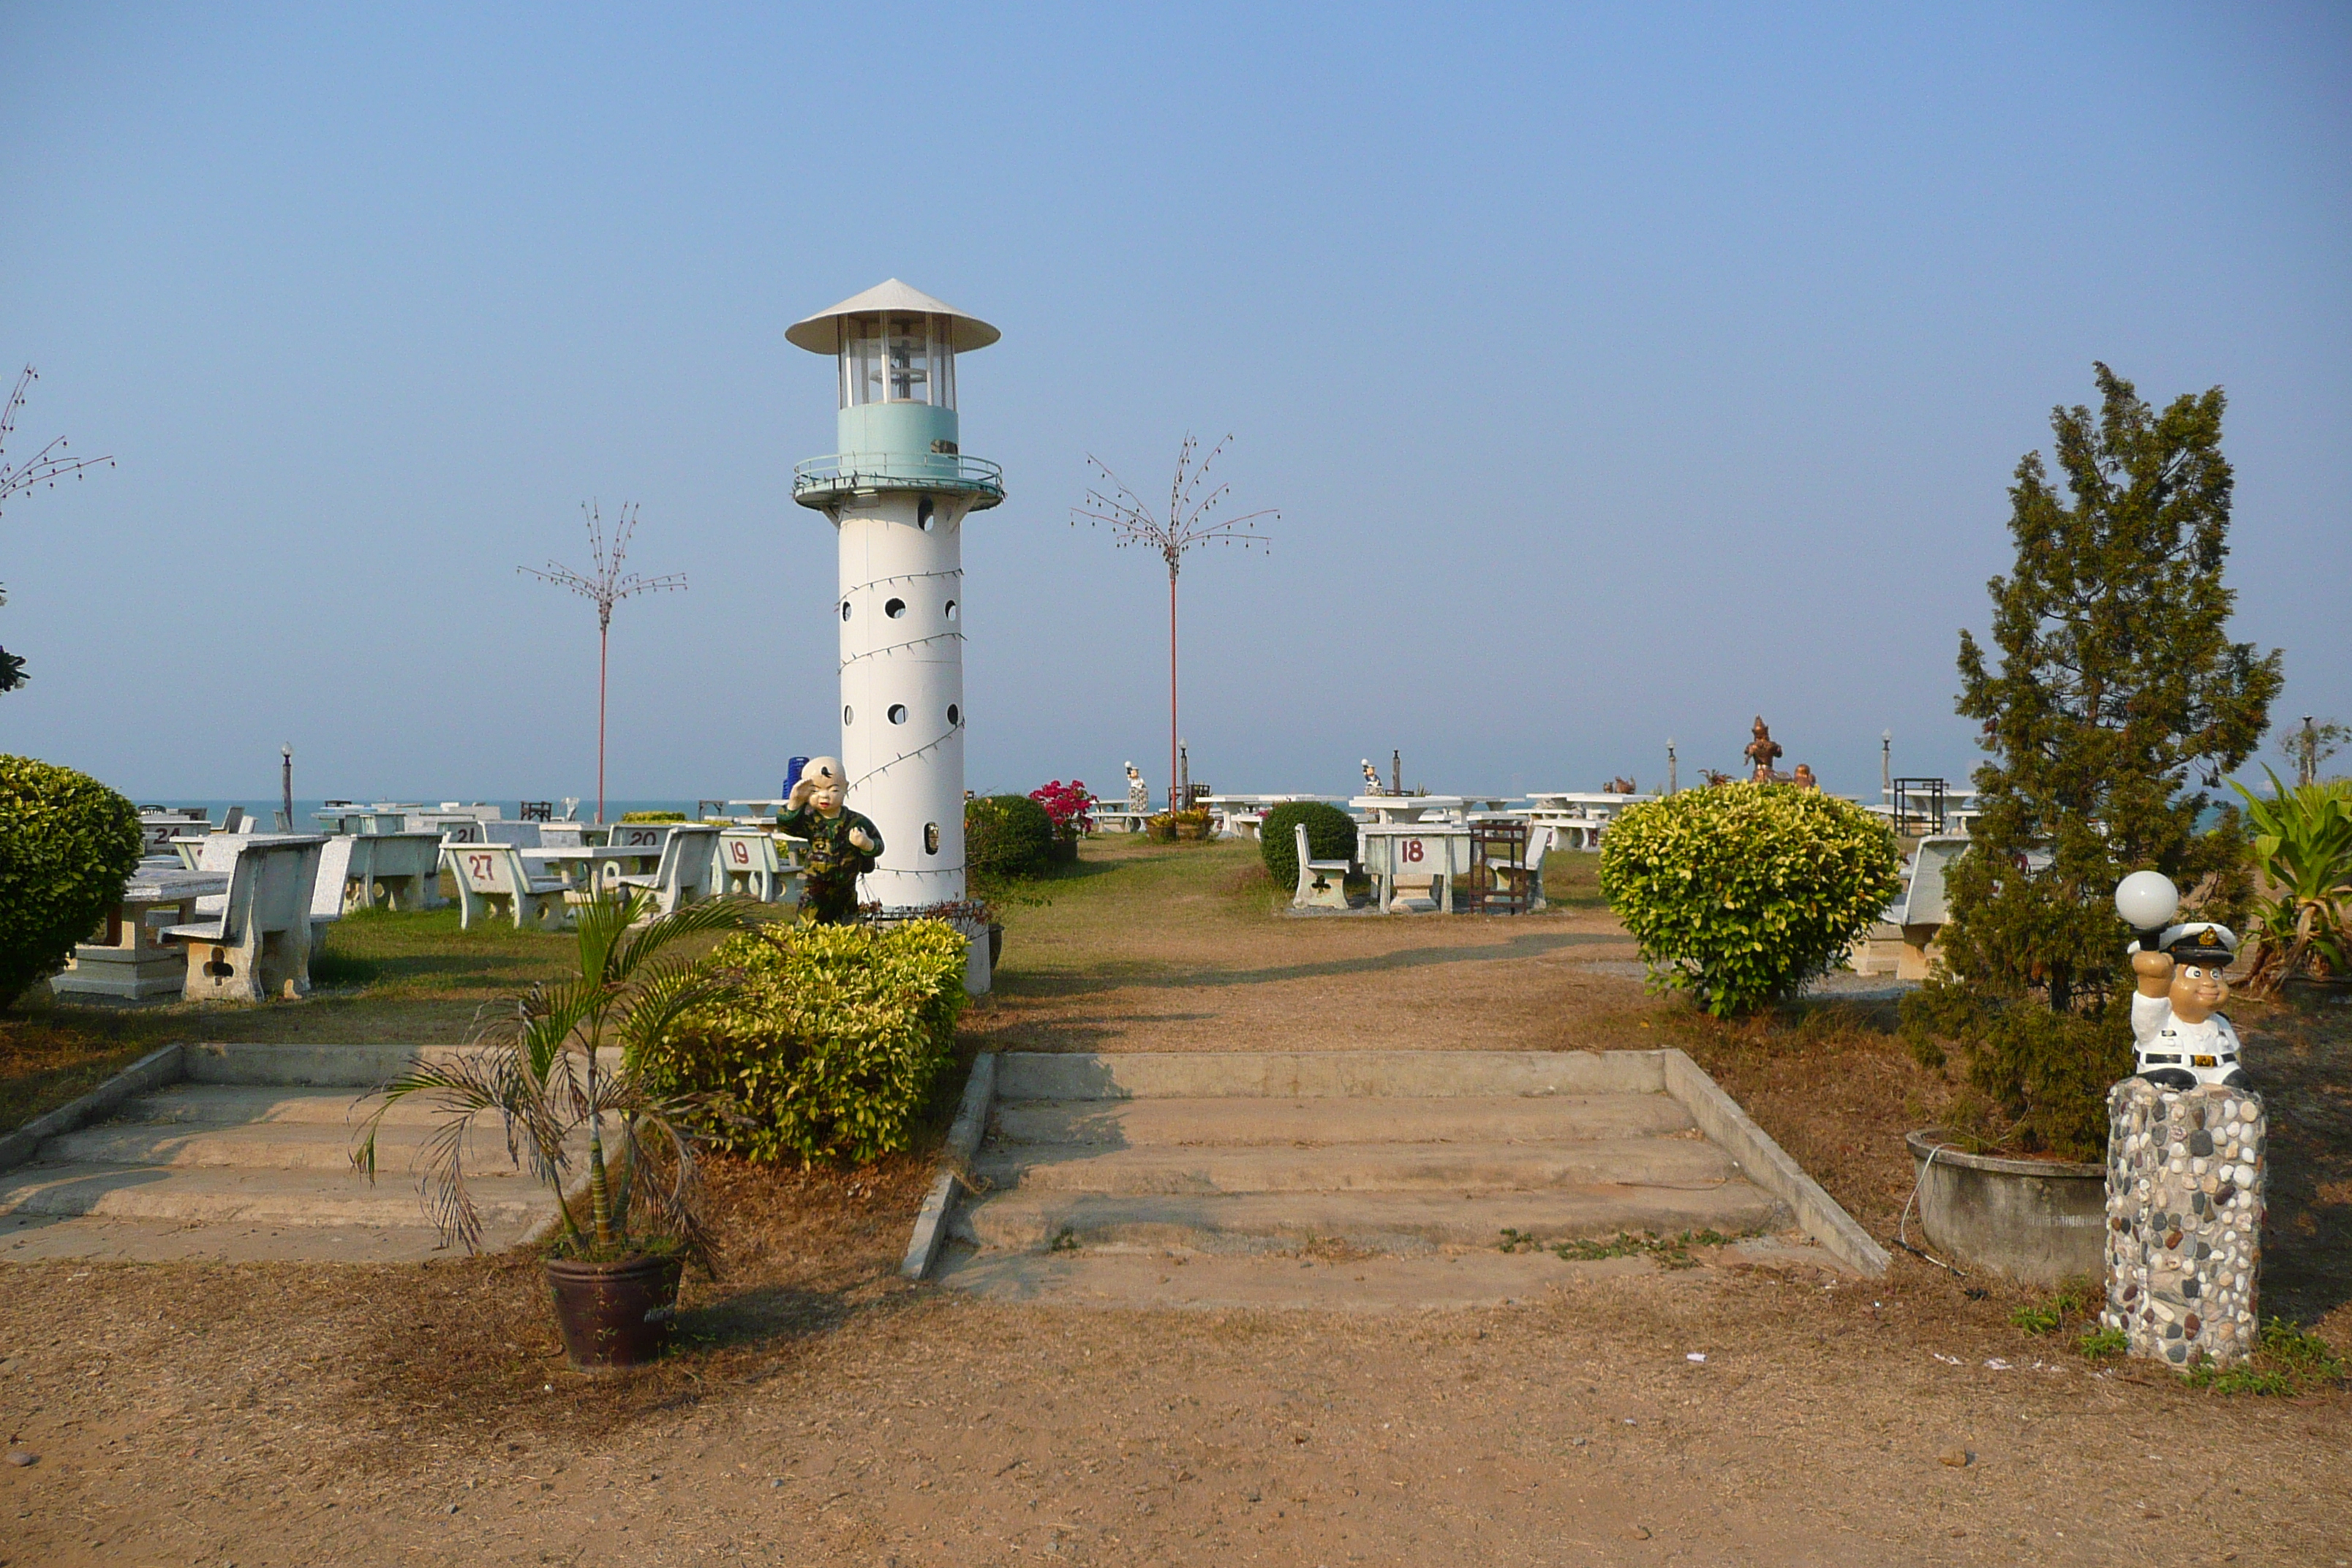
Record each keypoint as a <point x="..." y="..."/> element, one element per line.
<point x="417" y="977"/>
<point x="380" y="976"/>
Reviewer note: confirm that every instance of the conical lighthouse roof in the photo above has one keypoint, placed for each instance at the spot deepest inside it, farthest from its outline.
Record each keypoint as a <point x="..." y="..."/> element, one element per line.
<point x="821" y="333"/>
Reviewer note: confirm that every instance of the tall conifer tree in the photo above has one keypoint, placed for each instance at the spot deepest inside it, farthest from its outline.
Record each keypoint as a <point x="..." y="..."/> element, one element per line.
<point x="2117" y="704"/>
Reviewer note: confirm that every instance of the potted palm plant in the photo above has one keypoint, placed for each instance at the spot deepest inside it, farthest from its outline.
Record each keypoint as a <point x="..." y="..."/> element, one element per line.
<point x="559" y="1072"/>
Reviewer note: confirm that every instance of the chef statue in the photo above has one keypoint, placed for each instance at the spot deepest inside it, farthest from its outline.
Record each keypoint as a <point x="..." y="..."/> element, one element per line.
<point x="1139" y="794"/>
<point x="842" y="843"/>
<point x="1372" y="785"/>
<point x="2180" y="1037"/>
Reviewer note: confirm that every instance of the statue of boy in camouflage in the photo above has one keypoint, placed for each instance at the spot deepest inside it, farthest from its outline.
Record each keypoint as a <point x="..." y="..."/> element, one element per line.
<point x="842" y="843"/>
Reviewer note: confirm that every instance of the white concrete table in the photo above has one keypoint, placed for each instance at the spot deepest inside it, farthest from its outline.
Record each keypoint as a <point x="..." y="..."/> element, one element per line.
<point x="128" y="957"/>
<point x="590" y="868"/>
<point x="1241" y="816"/>
<point x="1398" y="853"/>
<point x="1581" y="816"/>
<point x="1407" y="807"/>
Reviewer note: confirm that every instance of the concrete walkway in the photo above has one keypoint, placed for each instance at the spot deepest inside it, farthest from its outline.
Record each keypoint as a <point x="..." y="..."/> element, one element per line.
<point x="247" y="1158"/>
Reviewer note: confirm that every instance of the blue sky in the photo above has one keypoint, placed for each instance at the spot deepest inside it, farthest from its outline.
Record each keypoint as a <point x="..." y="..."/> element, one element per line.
<point x="1619" y="373"/>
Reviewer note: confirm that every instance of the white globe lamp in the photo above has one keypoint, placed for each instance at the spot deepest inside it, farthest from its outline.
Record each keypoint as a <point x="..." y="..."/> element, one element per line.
<point x="2147" y="900"/>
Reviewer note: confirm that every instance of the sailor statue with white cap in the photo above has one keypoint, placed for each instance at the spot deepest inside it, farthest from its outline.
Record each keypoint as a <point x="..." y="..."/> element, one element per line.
<point x="2179" y="1035"/>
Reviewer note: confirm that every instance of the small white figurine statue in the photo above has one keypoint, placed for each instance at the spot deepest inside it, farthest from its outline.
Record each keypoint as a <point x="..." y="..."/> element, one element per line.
<point x="1372" y="785"/>
<point x="1139" y="794"/>
<point x="2179" y="1035"/>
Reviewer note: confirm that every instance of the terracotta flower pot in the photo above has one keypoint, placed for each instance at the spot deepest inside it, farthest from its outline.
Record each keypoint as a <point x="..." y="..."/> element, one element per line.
<point x="614" y="1314"/>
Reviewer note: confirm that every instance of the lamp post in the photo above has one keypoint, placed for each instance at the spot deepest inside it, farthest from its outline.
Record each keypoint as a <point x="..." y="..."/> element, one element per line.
<point x="1886" y="767"/>
<point x="1670" y="764"/>
<point x="286" y="786"/>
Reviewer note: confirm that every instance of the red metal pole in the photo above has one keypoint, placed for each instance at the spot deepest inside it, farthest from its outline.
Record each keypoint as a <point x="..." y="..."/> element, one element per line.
<point x="604" y="639"/>
<point x="1173" y="806"/>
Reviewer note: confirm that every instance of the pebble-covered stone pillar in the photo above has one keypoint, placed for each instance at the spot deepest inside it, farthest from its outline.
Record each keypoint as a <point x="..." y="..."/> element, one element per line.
<point x="2184" y="1185"/>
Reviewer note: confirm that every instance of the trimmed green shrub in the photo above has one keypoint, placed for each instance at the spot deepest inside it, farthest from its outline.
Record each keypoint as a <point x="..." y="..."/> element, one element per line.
<point x="653" y="816"/>
<point x="1742" y="892"/>
<point x="1006" y="835"/>
<point x="1330" y="836"/>
<point x="830" y="1047"/>
<point x="68" y="843"/>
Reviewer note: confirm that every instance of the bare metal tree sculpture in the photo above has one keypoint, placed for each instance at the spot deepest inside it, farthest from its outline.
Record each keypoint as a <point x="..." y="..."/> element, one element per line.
<point x="1187" y="524"/>
<point x="46" y="467"/>
<point x="605" y="587"/>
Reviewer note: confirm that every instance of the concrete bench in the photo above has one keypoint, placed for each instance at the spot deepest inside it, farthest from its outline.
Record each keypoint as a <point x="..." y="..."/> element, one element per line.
<point x="1322" y="884"/>
<point x="492" y="878"/>
<point x="748" y="865"/>
<point x="682" y="877"/>
<point x="256" y="943"/>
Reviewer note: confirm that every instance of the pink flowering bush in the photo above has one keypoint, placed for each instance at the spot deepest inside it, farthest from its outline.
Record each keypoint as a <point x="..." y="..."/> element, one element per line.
<point x="1069" y="806"/>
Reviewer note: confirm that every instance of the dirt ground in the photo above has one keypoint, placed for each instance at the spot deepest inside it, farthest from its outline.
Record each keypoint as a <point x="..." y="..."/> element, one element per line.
<point x="822" y="1412"/>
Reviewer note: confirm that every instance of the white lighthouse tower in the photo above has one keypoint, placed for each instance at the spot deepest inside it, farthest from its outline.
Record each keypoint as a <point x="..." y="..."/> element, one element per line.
<point x="898" y="490"/>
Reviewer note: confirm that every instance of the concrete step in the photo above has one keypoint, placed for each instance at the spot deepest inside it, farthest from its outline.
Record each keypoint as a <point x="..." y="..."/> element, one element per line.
<point x="510" y="1204"/>
<point x="1160" y="1277"/>
<point x="355" y="1067"/>
<point x="267" y="1146"/>
<point x="1377" y="1222"/>
<point x="1459" y="1168"/>
<point x="218" y="1105"/>
<point x="1196" y="1075"/>
<point x="1243" y="1122"/>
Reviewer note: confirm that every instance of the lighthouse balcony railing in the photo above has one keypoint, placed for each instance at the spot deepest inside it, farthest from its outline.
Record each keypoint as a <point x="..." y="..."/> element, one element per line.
<point x="847" y="472"/>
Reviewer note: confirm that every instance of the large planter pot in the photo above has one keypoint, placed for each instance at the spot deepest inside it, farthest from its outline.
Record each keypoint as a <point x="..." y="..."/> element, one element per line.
<point x="1192" y="832"/>
<point x="614" y="1314"/>
<point x="2037" y="1222"/>
<point x="1065" y="851"/>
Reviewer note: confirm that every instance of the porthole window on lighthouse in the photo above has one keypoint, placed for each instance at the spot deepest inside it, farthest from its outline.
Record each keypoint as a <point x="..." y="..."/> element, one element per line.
<point x="845" y="714"/>
<point x="844" y="609"/>
<point x="898" y="712"/>
<point x="931" y="838"/>
<point x="952" y="609"/>
<point x="923" y="514"/>
<point x="894" y="608"/>
<point x="955" y="714"/>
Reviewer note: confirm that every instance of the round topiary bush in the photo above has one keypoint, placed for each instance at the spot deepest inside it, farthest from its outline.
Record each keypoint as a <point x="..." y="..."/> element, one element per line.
<point x="1006" y="835"/>
<point x="1330" y="836"/>
<point x="1740" y="893"/>
<point x="67" y="843"/>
